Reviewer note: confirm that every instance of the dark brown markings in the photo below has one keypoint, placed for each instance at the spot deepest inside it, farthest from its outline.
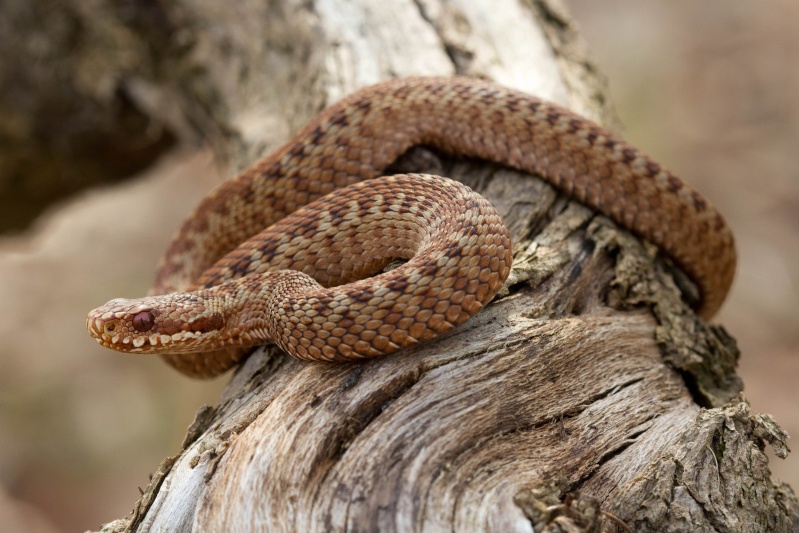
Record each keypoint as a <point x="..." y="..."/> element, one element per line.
<point x="674" y="184"/>
<point x="719" y="223"/>
<point x="403" y="90"/>
<point x="204" y="324"/>
<point x="699" y="203"/>
<point x="463" y="90"/>
<point x="316" y="136"/>
<point x="552" y="117"/>
<point x="453" y="250"/>
<point x="430" y="269"/>
<point x="512" y="103"/>
<point x="362" y="296"/>
<point x="488" y="97"/>
<point x="337" y="212"/>
<point x="267" y="249"/>
<point x="339" y="118"/>
<point x="364" y="104"/>
<point x="403" y="208"/>
<point x="398" y="285"/>
<point x="435" y="89"/>
<point x="628" y="155"/>
<point x="248" y="193"/>
<point x="297" y="151"/>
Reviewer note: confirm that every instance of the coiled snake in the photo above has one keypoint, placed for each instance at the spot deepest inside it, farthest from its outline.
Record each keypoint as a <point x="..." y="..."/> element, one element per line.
<point x="225" y="283"/>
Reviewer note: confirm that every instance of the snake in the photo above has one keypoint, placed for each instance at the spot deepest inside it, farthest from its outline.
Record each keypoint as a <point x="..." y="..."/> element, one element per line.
<point x="296" y="250"/>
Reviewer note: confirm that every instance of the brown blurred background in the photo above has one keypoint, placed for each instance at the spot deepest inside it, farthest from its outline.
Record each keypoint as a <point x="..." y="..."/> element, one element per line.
<point x="708" y="87"/>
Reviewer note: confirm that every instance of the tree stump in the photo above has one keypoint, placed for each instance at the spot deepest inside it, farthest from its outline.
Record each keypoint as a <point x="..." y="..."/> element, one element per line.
<point x="586" y="397"/>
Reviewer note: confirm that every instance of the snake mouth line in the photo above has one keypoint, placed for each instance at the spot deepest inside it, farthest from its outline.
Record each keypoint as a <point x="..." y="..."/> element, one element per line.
<point x="141" y="344"/>
<point x="99" y="328"/>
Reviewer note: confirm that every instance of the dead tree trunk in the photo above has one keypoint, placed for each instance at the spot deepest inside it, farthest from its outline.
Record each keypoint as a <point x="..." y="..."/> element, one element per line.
<point x="586" y="396"/>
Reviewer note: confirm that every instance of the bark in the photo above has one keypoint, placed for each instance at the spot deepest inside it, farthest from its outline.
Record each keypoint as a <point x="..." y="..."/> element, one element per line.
<point x="587" y="397"/>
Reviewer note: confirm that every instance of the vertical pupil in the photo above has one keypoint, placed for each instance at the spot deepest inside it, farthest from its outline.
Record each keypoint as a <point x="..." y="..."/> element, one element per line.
<point x="143" y="321"/>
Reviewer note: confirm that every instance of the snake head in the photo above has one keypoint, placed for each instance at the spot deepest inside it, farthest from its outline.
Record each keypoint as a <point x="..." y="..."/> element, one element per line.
<point x="172" y="323"/>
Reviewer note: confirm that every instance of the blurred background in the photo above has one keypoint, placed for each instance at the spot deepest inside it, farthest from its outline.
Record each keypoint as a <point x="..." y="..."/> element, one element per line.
<point x="707" y="87"/>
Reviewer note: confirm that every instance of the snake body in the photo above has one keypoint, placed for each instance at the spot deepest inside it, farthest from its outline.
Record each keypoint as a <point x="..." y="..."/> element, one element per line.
<point x="218" y="256"/>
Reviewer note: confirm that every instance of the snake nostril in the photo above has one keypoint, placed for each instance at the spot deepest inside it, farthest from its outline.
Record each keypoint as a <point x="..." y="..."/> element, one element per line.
<point x="143" y="321"/>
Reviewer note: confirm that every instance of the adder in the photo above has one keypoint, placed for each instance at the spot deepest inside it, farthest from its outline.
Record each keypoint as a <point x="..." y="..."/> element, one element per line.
<point x="313" y="281"/>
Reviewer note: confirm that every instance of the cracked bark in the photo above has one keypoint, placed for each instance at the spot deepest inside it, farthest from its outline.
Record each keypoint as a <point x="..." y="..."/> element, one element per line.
<point x="587" y="389"/>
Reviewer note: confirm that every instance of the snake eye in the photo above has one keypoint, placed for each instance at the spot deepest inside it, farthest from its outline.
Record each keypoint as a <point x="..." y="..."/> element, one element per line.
<point x="143" y="321"/>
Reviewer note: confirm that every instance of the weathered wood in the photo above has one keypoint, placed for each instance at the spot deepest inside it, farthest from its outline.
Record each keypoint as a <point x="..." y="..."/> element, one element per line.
<point x="587" y="389"/>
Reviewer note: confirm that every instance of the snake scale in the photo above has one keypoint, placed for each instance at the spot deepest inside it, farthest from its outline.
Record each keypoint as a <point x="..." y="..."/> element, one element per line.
<point x="313" y="282"/>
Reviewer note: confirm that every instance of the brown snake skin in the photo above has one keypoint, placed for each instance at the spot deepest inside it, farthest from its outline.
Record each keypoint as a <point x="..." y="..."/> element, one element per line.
<point x="356" y="232"/>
